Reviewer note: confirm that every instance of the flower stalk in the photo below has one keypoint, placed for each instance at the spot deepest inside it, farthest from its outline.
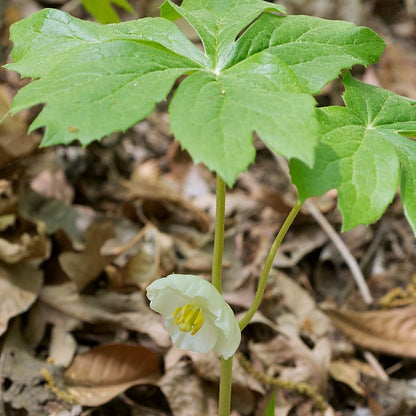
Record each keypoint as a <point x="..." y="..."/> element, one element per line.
<point x="268" y="265"/>
<point x="219" y="234"/>
<point x="224" y="403"/>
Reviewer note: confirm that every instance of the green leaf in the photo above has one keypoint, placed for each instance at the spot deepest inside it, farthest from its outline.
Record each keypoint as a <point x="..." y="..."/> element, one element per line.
<point x="103" y="10"/>
<point x="215" y="116"/>
<point x="364" y="154"/>
<point x="255" y="76"/>
<point x="103" y="78"/>
<point x="315" y="49"/>
<point x="218" y="23"/>
<point x="270" y="406"/>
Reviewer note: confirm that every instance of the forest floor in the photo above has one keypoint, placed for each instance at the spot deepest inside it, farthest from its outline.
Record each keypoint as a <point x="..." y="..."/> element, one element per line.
<point x="83" y="231"/>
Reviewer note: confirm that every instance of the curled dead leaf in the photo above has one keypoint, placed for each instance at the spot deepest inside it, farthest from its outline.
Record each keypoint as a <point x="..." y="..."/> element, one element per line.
<point x="25" y="246"/>
<point x="105" y="371"/>
<point x="19" y="288"/>
<point x="84" y="267"/>
<point x="387" y="331"/>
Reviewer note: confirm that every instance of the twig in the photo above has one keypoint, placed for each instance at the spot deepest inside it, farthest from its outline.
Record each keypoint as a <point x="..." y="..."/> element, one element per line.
<point x="372" y="360"/>
<point x="343" y="250"/>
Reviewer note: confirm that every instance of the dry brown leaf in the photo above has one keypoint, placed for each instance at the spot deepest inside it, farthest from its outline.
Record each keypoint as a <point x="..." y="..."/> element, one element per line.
<point x="8" y="198"/>
<point x="55" y="214"/>
<point x="285" y="293"/>
<point x="62" y="346"/>
<point x="84" y="267"/>
<point x="14" y="141"/>
<point x="207" y="367"/>
<point x="184" y="390"/>
<point x="156" y="191"/>
<point x="293" y="250"/>
<point x="25" y="246"/>
<point x="19" y="288"/>
<point x="295" y="361"/>
<point x="105" y="371"/>
<point x="347" y="374"/>
<point x="52" y="183"/>
<point x="387" y="331"/>
<point x="154" y="256"/>
<point x="22" y="370"/>
<point x="351" y="373"/>
<point x="7" y="220"/>
<point x="129" y="311"/>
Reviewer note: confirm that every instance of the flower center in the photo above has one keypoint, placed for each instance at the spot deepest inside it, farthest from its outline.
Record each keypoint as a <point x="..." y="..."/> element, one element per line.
<point x="189" y="318"/>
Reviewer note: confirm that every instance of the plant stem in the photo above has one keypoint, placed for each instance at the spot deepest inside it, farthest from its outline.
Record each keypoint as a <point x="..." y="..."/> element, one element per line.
<point x="224" y="404"/>
<point x="268" y="265"/>
<point x="219" y="234"/>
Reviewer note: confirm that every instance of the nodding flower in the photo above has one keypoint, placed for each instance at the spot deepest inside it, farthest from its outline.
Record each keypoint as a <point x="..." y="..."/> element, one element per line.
<point x="196" y="315"/>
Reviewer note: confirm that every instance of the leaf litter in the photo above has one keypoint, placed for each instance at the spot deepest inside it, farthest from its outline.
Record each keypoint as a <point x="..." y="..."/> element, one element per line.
<point x="82" y="233"/>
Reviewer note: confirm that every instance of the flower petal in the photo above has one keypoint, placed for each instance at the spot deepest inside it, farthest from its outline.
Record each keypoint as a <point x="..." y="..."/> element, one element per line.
<point x="220" y="330"/>
<point x="166" y="301"/>
<point x="203" y="341"/>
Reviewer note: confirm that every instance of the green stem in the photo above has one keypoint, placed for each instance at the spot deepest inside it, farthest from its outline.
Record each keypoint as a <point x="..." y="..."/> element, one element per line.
<point x="268" y="265"/>
<point x="219" y="234"/>
<point x="224" y="404"/>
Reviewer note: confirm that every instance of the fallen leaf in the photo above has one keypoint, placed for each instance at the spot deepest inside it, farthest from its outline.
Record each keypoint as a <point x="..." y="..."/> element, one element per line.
<point x="104" y="372"/>
<point x="8" y="198"/>
<point x="184" y="390"/>
<point x="25" y="246"/>
<point x="62" y="345"/>
<point x="14" y="141"/>
<point x="308" y="239"/>
<point x="55" y="214"/>
<point x="129" y="311"/>
<point x="7" y="221"/>
<point x="387" y="331"/>
<point x="146" y="263"/>
<point x="347" y="374"/>
<point x="294" y="361"/>
<point x="208" y="369"/>
<point x="22" y="373"/>
<point x="84" y="267"/>
<point x="155" y="191"/>
<point x="284" y="294"/>
<point x="148" y="399"/>
<point x="52" y="183"/>
<point x="19" y="287"/>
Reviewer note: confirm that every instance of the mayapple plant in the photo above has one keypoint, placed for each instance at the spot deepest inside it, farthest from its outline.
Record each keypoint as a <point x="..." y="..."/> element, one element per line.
<point x="259" y="70"/>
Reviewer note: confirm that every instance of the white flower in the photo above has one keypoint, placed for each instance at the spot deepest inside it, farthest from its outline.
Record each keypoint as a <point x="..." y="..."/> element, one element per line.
<point x="196" y="315"/>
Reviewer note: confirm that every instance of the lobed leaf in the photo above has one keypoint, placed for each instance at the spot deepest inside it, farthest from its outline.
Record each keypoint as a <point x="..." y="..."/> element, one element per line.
<point x="218" y="23"/>
<point x="364" y="153"/>
<point x="215" y="116"/>
<point x="315" y="49"/>
<point x="255" y="76"/>
<point x="103" y="79"/>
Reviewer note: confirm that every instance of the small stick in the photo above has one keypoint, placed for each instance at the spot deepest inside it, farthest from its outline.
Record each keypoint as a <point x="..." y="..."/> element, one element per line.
<point x="343" y="250"/>
<point x="381" y="373"/>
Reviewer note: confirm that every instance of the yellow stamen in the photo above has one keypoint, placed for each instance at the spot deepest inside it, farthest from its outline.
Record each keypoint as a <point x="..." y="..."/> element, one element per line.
<point x="189" y="318"/>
